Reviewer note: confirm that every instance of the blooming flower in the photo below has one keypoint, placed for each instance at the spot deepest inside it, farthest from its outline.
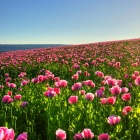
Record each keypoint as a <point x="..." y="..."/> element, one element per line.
<point x="76" y="86"/>
<point x="137" y="81"/>
<point x="6" y="134"/>
<point x="60" y="134"/>
<point x="126" y="96"/>
<point x="126" y="109"/>
<point x="115" y="90"/>
<point x="73" y="99"/>
<point x="17" y="97"/>
<point x="87" y="133"/>
<point x="78" y="136"/>
<point x="61" y="83"/>
<point x="7" y="99"/>
<point x="112" y="120"/>
<point x="111" y="100"/>
<point x="22" y="136"/>
<point x="89" y="96"/>
<point x="104" y="136"/>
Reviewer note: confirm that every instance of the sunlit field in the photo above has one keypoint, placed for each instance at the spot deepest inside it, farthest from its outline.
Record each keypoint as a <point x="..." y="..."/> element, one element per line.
<point x="88" y="91"/>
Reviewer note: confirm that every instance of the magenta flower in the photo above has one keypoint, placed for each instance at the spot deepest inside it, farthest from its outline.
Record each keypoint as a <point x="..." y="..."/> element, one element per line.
<point x="124" y="89"/>
<point x="61" y="83"/>
<point x="24" y="104"/>
<point x="17" y="97"/>
<point x="60" y="134"/>
<point x="89" y="83"/>
<point x="75" y="76"/>
<point x="24" y="82"/>
<point x="6" y="134"/>
<point x="76" y="86"/>
<point x="126" y="96"/>
<point x="73" y="99"/>
<point x="115" y="90"/>
<point x="99" y="74"/>
<point x="87" y="133"/>
<point x="78" y="136"/>
<point x="22" y="136"/>
<point x="111" y="100"/>
<point x="99" y="93"/>
<point x="7" y="99"/>
<point x="50" y="93"/>
<point x="137" y="81"/>
<point x="82" y="92"/>
<point x="11" y="85"/>
<point x="104" y="136"/>
<point x="126" y="109"/>
<point x="111" y="82"/>
<point x="89" y="96"/>
<point x="112" y="120"/>
<point x="103" y="101"/>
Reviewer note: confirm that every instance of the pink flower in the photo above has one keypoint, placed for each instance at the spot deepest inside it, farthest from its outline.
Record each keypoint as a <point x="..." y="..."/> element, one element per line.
<point x="112" y="120"/>
<point x="6" y="134"/>
<point x="24" y="104"/>
<point x="9" y="93"/>
<point x="111" y="82"/>
<point x="60" y="134"/>
<point x="17" y="97"/>
<point x="126" y="109"/>
<point x="126" y="75"/>
<point x="99" y="74"/>
<point x="7" y="99"/>
<point x="50" y="93"/>
<point x="124" y="89"/>
<point x="82" y="92"/>
<point x="136" y="73"/>
<point x="78" y="136"/>
<point x="76" y="86"/>
<point x="111" y="100"/>
<point x="137" y="81"/>
<point x="11" y="85"/>
<point x="22" y="136"/>
<point x="103" y="101"/>
<point x="89" y="83"/>
<point x="75" y="76"/>
<point x="73" y="99"/>
<point x="115" y="90"/>
<point x="87" y="133"/>
<point x="104" y="136"/>
<point x="24" y="82"/>
<point x="126" y="96"/>
<point x="99" y="93"/>
<point x="61" y="83"/>
<point x="89" y="96"/>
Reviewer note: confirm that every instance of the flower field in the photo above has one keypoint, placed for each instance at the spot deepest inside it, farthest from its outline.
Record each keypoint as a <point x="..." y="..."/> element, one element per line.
<point x="88" y="91"/>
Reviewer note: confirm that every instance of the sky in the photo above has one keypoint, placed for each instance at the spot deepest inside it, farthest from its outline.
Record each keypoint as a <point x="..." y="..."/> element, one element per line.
<point x="68" y="21"/>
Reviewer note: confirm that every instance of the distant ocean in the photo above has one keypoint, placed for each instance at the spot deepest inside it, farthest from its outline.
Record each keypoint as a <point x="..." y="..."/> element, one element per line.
<point x="14" y="47"/>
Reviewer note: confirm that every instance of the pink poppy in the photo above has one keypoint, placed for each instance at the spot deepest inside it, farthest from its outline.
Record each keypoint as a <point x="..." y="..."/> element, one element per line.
<point x="17" y="97"/>
<point x="76" y="86"/>
<point x="61" y="83"/>
<point x="6" y="134"/>
<point x="22" y="136"/>
<point x="60" y="134"/>
<point x="89" y="96"/>
<point x="104" y="136"/>
<point x="7" y="99"/>
<point x="137" y="81"/>
<point x="78" y="136"/>
<point x="126" y="96"/>
<point x="103" y="101"/>
<point x="124" y="89"/>
<point x="112" y="120"/>
<point x="87" y="133"/>
<point x="73" y="99"/>
<point x="111" y="100"/>
<point x="115" y="90"/>
<point x="126" y="109"/>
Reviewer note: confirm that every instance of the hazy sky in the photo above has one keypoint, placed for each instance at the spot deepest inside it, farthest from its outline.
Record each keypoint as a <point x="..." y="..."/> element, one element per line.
<point x="68" y="21"/>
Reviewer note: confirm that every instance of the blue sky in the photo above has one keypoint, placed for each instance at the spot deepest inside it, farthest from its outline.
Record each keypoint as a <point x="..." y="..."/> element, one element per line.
<point x="68" y="21"/>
